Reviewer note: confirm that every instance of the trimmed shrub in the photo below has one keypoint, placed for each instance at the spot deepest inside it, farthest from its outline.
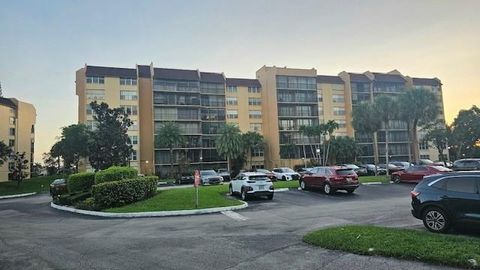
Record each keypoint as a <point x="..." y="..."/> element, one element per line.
<point x="71" y="199"/>
<point x="118" y="193"/>
<point x="81" y="182"/>
<point x="87" y="204"/>
<point x="115" y="174"/>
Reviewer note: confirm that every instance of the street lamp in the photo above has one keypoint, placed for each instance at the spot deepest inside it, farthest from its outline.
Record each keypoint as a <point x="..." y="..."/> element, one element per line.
<point x="318" y="155"/>
<point x="201" y="163"/>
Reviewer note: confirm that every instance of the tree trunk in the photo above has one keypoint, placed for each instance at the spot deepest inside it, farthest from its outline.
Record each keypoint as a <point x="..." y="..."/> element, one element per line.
<point x="386" y="147"/>
<point x="409" y="143"/>
<point x="228" y="165"/>
<point x="171" y="161"/>
<point x="415" y="146"/>
<point x="375" y="148"/>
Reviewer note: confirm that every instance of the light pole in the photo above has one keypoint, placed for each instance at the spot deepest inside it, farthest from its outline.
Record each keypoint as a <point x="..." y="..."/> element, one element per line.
<point x="201" y="163"/>
<point x="318" y="155"/>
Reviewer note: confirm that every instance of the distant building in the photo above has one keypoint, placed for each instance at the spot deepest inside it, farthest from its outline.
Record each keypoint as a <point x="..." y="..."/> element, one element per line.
<point x="17" y="130"/>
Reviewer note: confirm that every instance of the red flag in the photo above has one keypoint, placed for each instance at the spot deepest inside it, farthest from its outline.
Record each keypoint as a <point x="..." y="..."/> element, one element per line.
<point x="197" y="178"/>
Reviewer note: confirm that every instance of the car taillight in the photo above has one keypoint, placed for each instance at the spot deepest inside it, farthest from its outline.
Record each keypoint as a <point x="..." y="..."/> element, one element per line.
<point x="414" y="194"/>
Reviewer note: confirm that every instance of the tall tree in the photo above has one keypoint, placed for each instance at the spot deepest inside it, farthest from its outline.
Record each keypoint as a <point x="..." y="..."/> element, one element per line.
<point x="330" y="127"/>
<point x="229" y="144"/>
<point x="343" y="149"/>
<point x="19" y="165"/>
<point x="386" y="108"/>
<point x="252" y="141"/>
<point x="4" y="152"/>
<point x="438" y="136"/>
<point x="50" y="163"/>
<point x="73" y="144"/>
<point x="421" y="106"/>
<point x="169" y="136"/>
<point x="110" y="143"/>
<point x="465" y="137"/>
<point x="366" y="120"/>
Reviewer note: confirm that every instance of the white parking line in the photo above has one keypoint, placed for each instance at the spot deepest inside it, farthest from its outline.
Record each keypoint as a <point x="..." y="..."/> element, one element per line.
<point x="234" y="215"/>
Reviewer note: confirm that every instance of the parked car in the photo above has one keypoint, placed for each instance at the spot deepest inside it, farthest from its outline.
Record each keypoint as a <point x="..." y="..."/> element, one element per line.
<point x="469" y="164"/>
<point x="269" y="174"/>
<point x="302" y="171"/>
<point x="391" y="167"/>
<point x="58" y="187"/>
<point x="286" y="174"/>
<point x="185" y="178"/>
<point x="330" y="179"/>
<point x="251" y="184"/>
<point x="210" y="177"/>
<point x="445" y="200"/>
<point x="415" y="174"/>
<point x="225" y="174"/>
<point x="425" y="162"/>
<point x="402" y="164"/>
<point x="360" y="171"/>
<point x="372" y="169"/>
<point x="447" y="164"/>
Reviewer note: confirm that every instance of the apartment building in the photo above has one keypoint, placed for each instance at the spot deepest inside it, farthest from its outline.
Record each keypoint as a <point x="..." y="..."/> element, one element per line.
<point x="17" y="130"/>
<point x="275" y="104"/>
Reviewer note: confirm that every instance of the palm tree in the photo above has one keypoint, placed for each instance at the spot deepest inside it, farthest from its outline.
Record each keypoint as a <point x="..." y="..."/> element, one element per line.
<point x="169" y="136"/>
<point x="330" y="127"/>
<point x="229" y="144"/>
<point x="421" y="107"/>
<point x="386" y="109"/>
<point x="252" y="140"/>
<point x="365" y="120"/>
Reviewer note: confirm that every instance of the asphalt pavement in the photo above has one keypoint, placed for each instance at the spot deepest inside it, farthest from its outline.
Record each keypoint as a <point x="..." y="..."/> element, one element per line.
<point x="266" y="235"/>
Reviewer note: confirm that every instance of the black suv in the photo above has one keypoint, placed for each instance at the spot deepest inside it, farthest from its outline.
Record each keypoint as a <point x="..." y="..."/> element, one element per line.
<point x="469" y="164"/>
<point x="447" y="199"/>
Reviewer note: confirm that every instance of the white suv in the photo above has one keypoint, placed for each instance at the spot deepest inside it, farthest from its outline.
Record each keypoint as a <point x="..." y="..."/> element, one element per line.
<point x="252" y="184"/>
<point x="286" y="174"/>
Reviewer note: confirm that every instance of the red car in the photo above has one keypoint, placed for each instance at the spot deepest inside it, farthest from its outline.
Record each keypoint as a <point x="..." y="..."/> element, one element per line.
<point x="415" y="174"/>
<point x="269" y="174"/>
<point x="330" y="179"/>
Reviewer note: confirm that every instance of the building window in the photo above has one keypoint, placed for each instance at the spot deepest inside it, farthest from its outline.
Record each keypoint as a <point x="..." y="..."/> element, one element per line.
<point x="134" y="140"/>
<point x="320" y="98"/>
<point x="257" y="152"/>
<point x="338" y="87"/>
<point x="338" y="98"/>
<point x="231" y="89"/>
<point x="255" y="114"/>
<point x="253" y="89"/>
<point x="12" y="132"/>
<point x="255" y="101"/>
<point x="32" y="130"/>
<point x="96" y="80"/>
<point x="232" y="114"/>
<point x="128" y="95"/>
<point x="232" y="101"/>
<point x="89" y="110"/>
<point x="341" y="123"/>
<point x="423" y="145"/>
<point x="129" y="109"/>
<point x="133" y="157"/>
<point x="95" y="94"/>
<point x="91" y="124"/>
<point x="12" y="121"/>
<point x="425" y="156"/>
<point x="338" y="111"/>
<point x="134" y="126"/>
<point x="255" y="127"/>
<point x="128" y="81"/>
<point x="11" y="143"/>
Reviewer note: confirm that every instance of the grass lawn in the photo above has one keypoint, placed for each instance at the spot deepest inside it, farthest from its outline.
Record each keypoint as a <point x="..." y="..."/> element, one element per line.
<point x="286" y="184"/>
<point x="181" y="199"/>
<point x="399" y="243"/>
<point x="378" y="178"/>
<point x="37" y="184"/>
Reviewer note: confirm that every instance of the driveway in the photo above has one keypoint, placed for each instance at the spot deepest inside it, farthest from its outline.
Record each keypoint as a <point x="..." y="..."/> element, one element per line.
<point x="267" y="235"/>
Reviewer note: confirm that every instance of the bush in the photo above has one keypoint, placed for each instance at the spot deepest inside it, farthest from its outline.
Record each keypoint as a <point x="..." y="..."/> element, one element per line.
<point x="81" y="182"/>
<point x="87" y="204"/>
<point x="71" y="199"/>
<point x="118" y="193"/>
<point x="115" y="174"/>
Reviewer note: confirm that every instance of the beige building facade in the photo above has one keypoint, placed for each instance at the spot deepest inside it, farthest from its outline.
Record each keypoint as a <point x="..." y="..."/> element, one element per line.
<point x="17" y="130"/>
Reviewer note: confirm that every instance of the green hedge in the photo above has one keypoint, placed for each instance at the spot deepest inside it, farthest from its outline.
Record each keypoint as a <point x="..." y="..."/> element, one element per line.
<point x="118" y="193"/>
<point x="71" y="199"/>
<point x="115" y="174"/>
<point x="81" y="182"/>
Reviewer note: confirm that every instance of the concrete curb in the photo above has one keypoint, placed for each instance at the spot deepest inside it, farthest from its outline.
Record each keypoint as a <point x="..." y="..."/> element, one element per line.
<point x="373" y="183"/>
<point x="17" y="195"/>
<point x="281" y="190"/>
<point x="150" y="214"/>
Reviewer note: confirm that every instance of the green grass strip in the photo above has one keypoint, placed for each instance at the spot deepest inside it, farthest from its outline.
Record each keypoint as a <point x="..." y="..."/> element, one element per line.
<point x="37" y="184"/>
<point x="400" y="243"/>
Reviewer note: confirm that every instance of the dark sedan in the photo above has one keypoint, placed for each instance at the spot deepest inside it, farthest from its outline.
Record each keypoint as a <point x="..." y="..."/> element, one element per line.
<point x="58" y="187"/>
<point x="469" y="164"/>
<point x="442" y="201"/>
<point x="415" y="174"/>
<point x="210" y="177"/>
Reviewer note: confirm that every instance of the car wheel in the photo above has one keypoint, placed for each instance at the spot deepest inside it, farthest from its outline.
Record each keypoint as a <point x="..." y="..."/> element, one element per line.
<point x="270" y="197"/>
<point x="303" y="186"/>
<point x="244" y="195"/>
<point x="435" y="220"/>
<point x="327" y="189"/>
<point x="350" y="191"/>
<point x="396" y="179"/>
<point x="230" y="189"/>
<point x="284" y="178"/>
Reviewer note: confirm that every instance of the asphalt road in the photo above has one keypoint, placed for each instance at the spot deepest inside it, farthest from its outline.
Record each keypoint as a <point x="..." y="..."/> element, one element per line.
<point x="266" y="235"/>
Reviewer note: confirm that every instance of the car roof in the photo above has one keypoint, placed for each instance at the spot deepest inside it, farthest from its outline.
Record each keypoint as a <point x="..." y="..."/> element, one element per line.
<point x="253" y="174"/>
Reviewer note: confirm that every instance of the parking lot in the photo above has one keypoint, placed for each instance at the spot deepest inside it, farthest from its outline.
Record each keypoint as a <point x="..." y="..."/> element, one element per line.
<point x="266" y="235"/>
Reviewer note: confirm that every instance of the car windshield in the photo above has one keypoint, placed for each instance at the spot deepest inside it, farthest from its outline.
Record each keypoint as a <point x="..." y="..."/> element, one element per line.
<point x="441" y="168"/>
<point x="262" y="171"/>
<point x="257" y="177"/>
<point x="351" y="166"/>
<point x="208" y="173"/>
<point x="288" y="170"/>
<point x="344" y="171"/>
<point x="59" y="181"/>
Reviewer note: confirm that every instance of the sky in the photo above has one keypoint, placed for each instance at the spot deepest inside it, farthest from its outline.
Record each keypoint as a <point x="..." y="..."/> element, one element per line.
<point x="43" y="43"/>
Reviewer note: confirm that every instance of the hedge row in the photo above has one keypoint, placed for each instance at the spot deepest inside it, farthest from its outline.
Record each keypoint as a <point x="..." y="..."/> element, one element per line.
<point x="72" y="198"/>
<point x="81" y="182"/>
<point x="118" y="193"/>
<point x="115" y="174"/>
